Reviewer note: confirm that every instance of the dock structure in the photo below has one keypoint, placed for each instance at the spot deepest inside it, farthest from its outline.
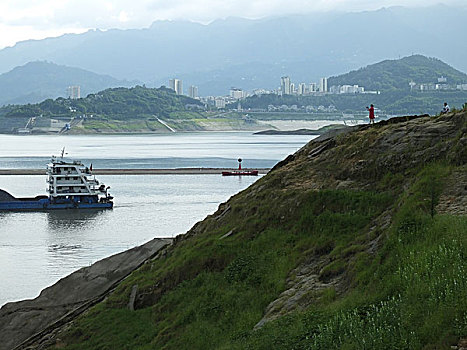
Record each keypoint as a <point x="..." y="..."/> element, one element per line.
<point x="141" y="171"/>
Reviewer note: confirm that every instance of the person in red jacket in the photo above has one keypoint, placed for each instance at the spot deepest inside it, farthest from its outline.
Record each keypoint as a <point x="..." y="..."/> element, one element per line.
<point x="371" y="109"/>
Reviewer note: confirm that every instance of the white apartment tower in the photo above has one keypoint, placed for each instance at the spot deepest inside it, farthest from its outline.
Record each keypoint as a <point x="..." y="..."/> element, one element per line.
<point x="323" y="85"/>
<point x="193" y="91"/>
<point x="302" y="89"/>
<point x="73" y="92"/>
<point x="176" y="85"/>
<point x="236" y="93"/>
<point x="285" y="86"/>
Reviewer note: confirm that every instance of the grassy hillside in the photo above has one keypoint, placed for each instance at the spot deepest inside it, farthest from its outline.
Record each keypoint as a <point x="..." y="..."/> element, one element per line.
<point x="390" y="75"/>
<point x="116" y="103"/>
<point x="355" y="242"/>
<point x="113" y="110"/>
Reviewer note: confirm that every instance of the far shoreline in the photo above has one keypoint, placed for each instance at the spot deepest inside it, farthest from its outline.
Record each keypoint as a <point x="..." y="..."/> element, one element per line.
<point x="151" y="171"/>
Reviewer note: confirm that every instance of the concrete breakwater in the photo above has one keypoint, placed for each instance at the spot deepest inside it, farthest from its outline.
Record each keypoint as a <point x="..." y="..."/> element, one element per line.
<point x="172" y="171"/>
<point x="25" y="322"/>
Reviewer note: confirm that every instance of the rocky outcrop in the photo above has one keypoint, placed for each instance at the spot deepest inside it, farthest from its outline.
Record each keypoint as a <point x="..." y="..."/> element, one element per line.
<point x="356" y="156"/>
<point x="453" y="199"/>
<point x="307" y="283"/>
<point x="304" y="287"/>
<point x="26" y="321"/>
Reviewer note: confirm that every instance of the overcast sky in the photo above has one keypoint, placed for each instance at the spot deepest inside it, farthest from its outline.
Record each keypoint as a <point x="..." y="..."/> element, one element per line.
<point x="37" y="19"/>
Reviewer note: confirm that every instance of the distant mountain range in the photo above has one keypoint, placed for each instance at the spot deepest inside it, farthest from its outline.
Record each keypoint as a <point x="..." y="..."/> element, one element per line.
<point x="37" y="81"/>
<point x="255" y="53"/>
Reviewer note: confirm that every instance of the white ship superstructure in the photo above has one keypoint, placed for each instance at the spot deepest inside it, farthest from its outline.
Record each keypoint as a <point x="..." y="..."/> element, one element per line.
<point x="72" y="178"/>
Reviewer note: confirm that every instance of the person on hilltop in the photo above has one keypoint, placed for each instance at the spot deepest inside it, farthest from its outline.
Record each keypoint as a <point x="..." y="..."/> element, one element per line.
<point x="371" y="109"/>
<point x="445" y="109"/>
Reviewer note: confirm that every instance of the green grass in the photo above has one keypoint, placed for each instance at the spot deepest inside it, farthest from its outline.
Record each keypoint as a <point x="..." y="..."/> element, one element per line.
<point x="216" y="289"/>
<point x="208" y="293"/>
<point x="411" y="296"/>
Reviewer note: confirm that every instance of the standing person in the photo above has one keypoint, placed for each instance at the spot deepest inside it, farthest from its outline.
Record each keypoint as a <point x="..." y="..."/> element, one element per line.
<point x="445" y="109"/>
<point x="371" y="109"/>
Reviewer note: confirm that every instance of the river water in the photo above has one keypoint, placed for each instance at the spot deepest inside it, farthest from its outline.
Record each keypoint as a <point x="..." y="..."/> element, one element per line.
<point x="37" y="249"/>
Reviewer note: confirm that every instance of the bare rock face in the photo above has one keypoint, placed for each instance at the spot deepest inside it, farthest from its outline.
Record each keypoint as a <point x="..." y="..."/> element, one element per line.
<point x="303" y="288"/>
<point x="355" y="156"/>
<point x="57" y="304"/>
<point x="453" y="199"/>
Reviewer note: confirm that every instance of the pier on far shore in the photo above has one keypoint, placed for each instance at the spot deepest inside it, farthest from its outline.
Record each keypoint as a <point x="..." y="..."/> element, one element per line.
<point x="142" y="171"/>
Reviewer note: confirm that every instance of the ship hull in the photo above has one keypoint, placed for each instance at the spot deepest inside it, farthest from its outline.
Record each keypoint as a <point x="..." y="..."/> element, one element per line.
<point x="35" y="206"/>
<point x="45" y="204"/>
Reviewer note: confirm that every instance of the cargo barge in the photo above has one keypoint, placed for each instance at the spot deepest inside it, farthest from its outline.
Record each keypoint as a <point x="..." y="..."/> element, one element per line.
<point x="71" y="185"/>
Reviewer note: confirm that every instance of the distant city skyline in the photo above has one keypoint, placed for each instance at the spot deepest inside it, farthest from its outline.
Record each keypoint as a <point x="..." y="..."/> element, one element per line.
<point x="50" y="18"/>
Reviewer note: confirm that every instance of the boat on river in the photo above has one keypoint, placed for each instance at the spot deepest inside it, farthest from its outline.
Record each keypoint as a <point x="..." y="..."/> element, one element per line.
<point x="71" y="185"/>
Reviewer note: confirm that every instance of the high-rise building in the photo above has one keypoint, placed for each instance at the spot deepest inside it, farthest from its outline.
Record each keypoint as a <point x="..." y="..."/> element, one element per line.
<point x="219" y="102"/>
<point x="236" y="93"/>
<point x="193" y="91"/>
<point x="176" y="85"/>
<point x="323" y="84"/>
<point x="292" y="89"/>
<point x="73" y="92"/>
<point x="285" y="85"/>
<point x="312" y="87"/>
<point x="172" y="84"/>
<point x="302" y="89"/>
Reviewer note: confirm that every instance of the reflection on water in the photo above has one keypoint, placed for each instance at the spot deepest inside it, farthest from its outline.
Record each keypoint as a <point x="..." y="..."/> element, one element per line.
<point x="66" y="232"/>
<point x="72" y="218"/>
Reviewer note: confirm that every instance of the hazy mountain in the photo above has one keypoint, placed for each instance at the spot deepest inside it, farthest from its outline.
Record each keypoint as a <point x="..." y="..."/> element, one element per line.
<point x="37" y="81"/>
<point x="397" y="74"/>
<point x="255" y="53"/>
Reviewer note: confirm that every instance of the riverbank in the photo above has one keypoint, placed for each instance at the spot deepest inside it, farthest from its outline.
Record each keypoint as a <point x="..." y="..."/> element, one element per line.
<point x="173" y="171"/>
<point x="72" y="295"/>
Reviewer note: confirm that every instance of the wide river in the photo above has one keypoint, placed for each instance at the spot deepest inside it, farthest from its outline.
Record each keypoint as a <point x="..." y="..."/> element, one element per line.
<point x="37" y="249"/>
